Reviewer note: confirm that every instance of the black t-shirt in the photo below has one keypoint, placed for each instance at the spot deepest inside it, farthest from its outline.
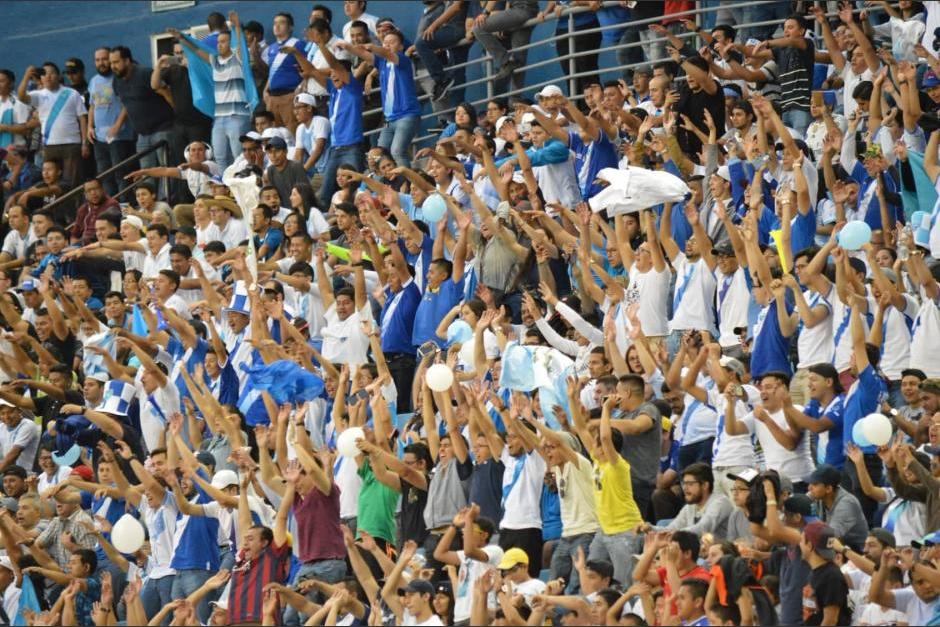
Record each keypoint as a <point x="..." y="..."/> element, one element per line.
<point x="176" y="78"/>
<point x="146" y="109"/>
<point x="829" y="588"/>
<point x="413" y="502"/>
<point x="63" y="349"/>
<point x="292" y="174"/>
<point x="47" y="407"/>
<point x="694" y="104"/>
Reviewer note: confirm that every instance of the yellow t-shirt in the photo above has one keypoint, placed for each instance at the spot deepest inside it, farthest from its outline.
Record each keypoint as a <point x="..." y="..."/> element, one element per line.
<point x="613" y="495"/>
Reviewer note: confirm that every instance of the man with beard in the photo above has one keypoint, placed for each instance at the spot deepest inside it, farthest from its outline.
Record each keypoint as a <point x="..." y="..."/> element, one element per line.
<point x="108" y="129"/>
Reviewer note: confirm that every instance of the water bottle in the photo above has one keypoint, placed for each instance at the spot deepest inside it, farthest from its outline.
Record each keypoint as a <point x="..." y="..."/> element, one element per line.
<point x="904" y="253"/>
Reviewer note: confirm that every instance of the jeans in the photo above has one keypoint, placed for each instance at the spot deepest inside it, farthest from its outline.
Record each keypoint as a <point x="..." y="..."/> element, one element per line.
<point x="696" y="452"/>
<point x="445" y="38"/>
<point x="582" y="42"/>
<point x="748" y="13"/>
<point x="188" y="581"/>
<point x="563" y="558"/>
<point x="507" y="21"/>
<point x="327" y="571"/>
<point x="155" y="594"/>
<point x="225" y="133"/>
<point x="108" y="155"/>
<point x="338" y="156"/>
<point x="618" y="549"/>
<point x="876" y="471"/>
<point x="397" y="137"/>
<point x="632" y="55"/>
<point x="797" y="119"/>
<point x="158" y="157"/>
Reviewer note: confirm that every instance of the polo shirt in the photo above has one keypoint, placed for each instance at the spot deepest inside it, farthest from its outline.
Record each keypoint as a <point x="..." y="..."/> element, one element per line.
<point x="154" y="263"/>
<point x="284" y="73"/>
<point x="67" y="106"/>
<point x="399" y="98"/>
<point x="147" y="110"/>
<point x="345" y="113"/>
<point x="435" y="303"/>
<point x="398" y="318"/>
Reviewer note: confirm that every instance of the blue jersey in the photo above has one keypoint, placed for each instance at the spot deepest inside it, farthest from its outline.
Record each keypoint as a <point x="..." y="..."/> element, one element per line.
<point x="863" y="398"/>
<point x="830" y="449"/>
<point x="399" y="97"/>
<point x="435" y="304"/>
<point x="771" y="349"/>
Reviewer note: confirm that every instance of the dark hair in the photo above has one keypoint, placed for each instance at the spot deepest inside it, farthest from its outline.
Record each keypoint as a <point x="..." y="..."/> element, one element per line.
<point x="254" y="26"/>
<point x="57" y="163"/>
<point x="688" y="542"/>
<point x="471" y="111"/>
<point x="727" y="29"/>
<point x="267" y="115"/>
<point x="444" y="265"/>
<point x="216" y="21"/>
<point x="266" y="534"/>
<point x="123" y="51"/>
<point x="55" y="67"/>
<point x="307" y="196"/>
<point x="697" y="587"/>
<point x="348" y="208"/>
<point x="863" y="91"/>
<point x="828" y="371"/>
<point x="114" y="294"/>
<point x="301" y="267"/>
<point x="160" y="229"/>
<point x="57" y="229"/>
<point x="325" y="10"/>
<point x="702" y="472"/>
<point x="913" y="372"/>
<point x="172" y="276"/>
<point x="348" y="292"/>
<point x="321" y="26"/>
<point x="725" y="613"/>
<point x="214" y="246"/>
<point x="112" y="217"/>
<point x="809" y="253"/>
<point x="634" y="383"/>
<point x="783" y="377"/>
<point x="150" y="187"/>
<point x="182" y="250"/>
<point x="266" y="211"/>
<point x="9" y="74"/>
<point x="698" y="62"/>
<point x="799" y="19"/>
<point x="89" y="558"/>
<point x="610" y="595"/>
<point x="287" y="16"/>
<point x="745" y="106"/>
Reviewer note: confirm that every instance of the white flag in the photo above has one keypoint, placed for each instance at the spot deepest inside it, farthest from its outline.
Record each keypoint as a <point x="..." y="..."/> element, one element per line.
<point x="633" y="189"/>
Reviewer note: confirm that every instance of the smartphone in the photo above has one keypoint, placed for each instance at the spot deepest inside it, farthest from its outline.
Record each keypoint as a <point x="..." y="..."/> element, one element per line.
<point x="361" y="395"/>
<point x="428" y="348"/>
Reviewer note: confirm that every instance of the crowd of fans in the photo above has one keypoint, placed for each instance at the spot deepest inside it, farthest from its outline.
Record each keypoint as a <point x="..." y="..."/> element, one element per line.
<point x="331" y="380"/>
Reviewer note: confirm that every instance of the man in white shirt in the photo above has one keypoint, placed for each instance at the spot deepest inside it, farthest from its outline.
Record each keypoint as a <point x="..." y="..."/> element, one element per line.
<point x="20" y="237"/>
<point x="344" y="341"/>
<point x="11" y="592"/>
<point x="165" y="288"/>
<point x="19" y="438"/>
<point x="313" y="133"/>
<point x="356" y="11"/>
<point x="159" y="397"/>
<point x="649" y="281"/>
<point x="183" y="263"/>
<point x="227" y="225"/>
<point x="63" y="116"/>
<point x="13" y="113"/>
<point x="477" y="556"/>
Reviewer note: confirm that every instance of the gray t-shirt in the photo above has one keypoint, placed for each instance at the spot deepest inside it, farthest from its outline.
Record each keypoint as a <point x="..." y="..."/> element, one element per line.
<point x="642" y="450"/>
<point x="496" y="264"/>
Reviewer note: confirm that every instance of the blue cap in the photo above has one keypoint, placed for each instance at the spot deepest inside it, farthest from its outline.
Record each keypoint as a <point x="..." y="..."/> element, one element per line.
<point x="931" y="539"/>
<point x="28" y="286"/>
<point x="930" y="80"/>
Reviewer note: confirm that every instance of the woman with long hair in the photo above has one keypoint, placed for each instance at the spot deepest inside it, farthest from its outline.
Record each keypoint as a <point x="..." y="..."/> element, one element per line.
<point x="303" y="200"/>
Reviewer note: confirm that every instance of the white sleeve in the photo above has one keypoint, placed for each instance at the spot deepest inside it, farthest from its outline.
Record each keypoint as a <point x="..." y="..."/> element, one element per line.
<point x="321" y="127"/>
<point x="9" y="247"/>
<point x="582" y="326"/>
<point x="213" y="167"/>
<point x="79" y="105"/>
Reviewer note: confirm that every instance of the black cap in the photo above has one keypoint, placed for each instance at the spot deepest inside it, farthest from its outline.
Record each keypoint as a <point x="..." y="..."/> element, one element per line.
<point x="602" y="567"/>
<point x="799" y="504"/>
<point x="885" y="537"/>
<point x="277" y="143"/>
<point x="186" y="230"/>
<point x="420" y="586"/>
<point x="826" y="475"/>
<point x="74" y="64"/>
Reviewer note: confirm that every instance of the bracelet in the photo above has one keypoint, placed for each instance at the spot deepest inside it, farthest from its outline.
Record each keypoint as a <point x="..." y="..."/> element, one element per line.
<point x="774" y="503"/>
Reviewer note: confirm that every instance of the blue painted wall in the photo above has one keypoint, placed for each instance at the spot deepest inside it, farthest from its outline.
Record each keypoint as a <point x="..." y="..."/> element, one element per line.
<point x="37" y="31"/>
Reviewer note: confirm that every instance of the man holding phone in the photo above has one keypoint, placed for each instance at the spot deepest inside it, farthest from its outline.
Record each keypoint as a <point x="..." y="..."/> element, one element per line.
<point x="63" y="117"/>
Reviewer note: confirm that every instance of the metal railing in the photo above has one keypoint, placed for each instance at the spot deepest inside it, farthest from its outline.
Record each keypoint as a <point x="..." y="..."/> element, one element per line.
<point x="119" y="166"/>
<point x="572" y="76"/>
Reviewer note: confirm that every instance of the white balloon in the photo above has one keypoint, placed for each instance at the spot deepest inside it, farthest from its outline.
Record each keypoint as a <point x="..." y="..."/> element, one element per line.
<point x="877" y="429"/>
<point x="439" y="377"/>
<point x="466" y="351"/>
<point x="127" y="534"/>
<point x="346" y="442"/>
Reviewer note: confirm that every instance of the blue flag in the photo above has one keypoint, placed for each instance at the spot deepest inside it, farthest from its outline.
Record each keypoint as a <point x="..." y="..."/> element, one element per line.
<point x="924" y="197"/>
<point x="138" y="324"/>
<point x="28" y="602"/>
<point x="284" y="380"/>
<point x="203" y="85"/>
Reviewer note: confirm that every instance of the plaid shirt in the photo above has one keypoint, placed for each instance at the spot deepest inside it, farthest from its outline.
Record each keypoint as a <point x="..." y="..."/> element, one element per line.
<point x="51" y="538"/>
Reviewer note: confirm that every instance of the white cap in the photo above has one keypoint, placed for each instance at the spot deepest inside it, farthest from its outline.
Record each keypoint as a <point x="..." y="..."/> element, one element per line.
<point x="502" y="120"/>
<point x="134" y="221"/>
<point x="528" y="118"/>
<point x="518" y="177"/>
<point x="4" y="403"/>
<point x="550" y="90"/>
<point x="6" y="563"/>
<point x="305" y="99"/>
<point x="724" y="172"/>
<point x="224" y="478"/>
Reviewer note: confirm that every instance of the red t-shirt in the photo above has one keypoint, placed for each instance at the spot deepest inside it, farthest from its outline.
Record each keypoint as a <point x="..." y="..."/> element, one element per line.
<point x="677" y="6"/>
<point x="696" y="573"/>
<point x="319" y="535"/>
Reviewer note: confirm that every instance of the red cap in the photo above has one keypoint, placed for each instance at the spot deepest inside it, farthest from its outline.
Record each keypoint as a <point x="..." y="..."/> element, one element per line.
<point x="84" y="472"/>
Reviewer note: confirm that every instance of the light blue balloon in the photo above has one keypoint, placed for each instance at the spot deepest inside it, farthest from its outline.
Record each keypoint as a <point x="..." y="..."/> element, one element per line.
<point x="854" y="235"/>
<point x="69" y="457"/>
<point x="917" y="218"/>
<point x="433" y="208"/>
<point x="517" y="372"/>
<point x="859" y="436"/>
<point x="458" y="332"/>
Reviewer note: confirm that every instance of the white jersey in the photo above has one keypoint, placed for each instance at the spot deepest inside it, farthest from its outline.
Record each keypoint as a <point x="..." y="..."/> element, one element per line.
<point x="732" y="301"/>
<point x="814" y="344"/>
<point x="693" y="301"/>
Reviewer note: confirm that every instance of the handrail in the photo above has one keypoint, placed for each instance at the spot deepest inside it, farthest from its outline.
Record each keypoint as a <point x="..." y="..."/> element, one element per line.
<point x="75" y="190"/>
<point x="570" y="76"/>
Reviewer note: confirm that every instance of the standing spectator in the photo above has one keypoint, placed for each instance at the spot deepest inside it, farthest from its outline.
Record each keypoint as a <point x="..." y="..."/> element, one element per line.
<point x="172" y="74"/>
<point x="231" y="99"/>
<point x="399" y="98"/>
<point x="571" y="41"/>
<point x="284" y="71"/>
<point x="254" y="36"/>
<point x="794" y="54"/>
<point x="13" y="113"/>
<point x="108" y="128"/>
<point x="827" y="583"/>
<point x="511" y="20"/>
<point x="355" y="10"/>
<point x="150" y="114"/>
<point x="63" y="116"/>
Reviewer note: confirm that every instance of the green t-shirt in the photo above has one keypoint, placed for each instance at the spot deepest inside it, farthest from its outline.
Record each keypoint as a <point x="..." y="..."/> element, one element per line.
<point x="376" y="512"/>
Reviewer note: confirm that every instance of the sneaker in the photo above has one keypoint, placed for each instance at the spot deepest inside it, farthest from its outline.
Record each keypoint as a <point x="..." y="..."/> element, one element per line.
<point x="506" y="70"/>
<point x="440" y="89"/>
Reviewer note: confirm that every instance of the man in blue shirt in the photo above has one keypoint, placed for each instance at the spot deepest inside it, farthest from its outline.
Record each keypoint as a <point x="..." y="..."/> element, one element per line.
<point x="396" y="322"/>
<point x="346" y="98"/>
<point x="864" y="397"/>
<point x="108" y="129"/>
<point x="443" y="285"/>
<point x="823" y="415"/>
<point x="284" y="71"/>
